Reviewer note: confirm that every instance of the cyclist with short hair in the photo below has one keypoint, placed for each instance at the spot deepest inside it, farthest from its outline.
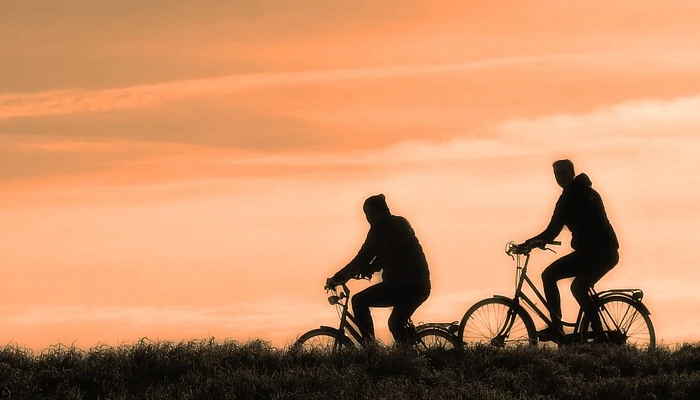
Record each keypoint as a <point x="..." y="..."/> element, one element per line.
<point x="579" y="208"/>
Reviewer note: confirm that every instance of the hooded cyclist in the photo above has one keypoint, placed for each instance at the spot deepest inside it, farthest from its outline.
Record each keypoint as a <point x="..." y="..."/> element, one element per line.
<point x="391" y="246"/>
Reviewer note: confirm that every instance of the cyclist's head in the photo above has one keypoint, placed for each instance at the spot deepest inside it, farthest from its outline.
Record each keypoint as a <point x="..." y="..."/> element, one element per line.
<point x="375" y="208"/>
<point x="564" y="172"/>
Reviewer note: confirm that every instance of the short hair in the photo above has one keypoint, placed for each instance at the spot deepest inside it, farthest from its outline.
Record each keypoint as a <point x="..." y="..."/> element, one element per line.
<point x="566" y="162"/>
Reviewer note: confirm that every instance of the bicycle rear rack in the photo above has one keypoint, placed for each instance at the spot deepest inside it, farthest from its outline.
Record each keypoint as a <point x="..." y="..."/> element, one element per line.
<point x="635" y="294"/>
<point x="451" y="327"/>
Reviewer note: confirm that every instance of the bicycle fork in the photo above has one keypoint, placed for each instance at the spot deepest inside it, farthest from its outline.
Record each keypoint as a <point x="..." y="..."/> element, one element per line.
<point x="500" y="339"/>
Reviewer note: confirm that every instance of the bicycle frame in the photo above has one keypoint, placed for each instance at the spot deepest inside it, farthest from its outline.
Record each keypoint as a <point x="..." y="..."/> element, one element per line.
<point x="349" y="327"/>
<point x="493" y="320"/>
<point x="348" y="323"/>
<point x="521" y="279"/>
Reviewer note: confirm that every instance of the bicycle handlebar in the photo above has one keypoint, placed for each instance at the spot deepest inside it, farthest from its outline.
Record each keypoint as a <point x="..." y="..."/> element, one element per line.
<point x="525" y="249"/>
<point x="334" y="299"/>
<point x="343" y="284"/>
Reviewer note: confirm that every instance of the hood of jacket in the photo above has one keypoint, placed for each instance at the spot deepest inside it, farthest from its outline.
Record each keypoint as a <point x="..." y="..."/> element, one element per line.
<point x="581" y="181"/>
<point x="378" y="202"/>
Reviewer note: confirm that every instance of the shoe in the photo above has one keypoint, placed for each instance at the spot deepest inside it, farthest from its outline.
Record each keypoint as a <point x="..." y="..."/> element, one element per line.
<point x="550" y="334"/>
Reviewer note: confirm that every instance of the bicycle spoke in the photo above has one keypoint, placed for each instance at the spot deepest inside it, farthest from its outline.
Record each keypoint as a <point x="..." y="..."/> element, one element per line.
<point x="319" y="340"/>
<point x="626" y="323"/>
<point x="492" y="321"/>
<point x="634" y="317"/>
<point x="485" y="321"/>
<point x="435" y="339"/>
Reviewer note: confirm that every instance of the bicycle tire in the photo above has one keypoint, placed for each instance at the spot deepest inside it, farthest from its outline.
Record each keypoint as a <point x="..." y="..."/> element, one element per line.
<point x="433" y="338"/>
<point x="483" y="322"/>
<point x="321" y="339"/>
<point x="621" y="326"/>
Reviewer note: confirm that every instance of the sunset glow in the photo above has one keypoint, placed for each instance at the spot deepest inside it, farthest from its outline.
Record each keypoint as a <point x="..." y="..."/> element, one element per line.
<point x="199" y="170"/>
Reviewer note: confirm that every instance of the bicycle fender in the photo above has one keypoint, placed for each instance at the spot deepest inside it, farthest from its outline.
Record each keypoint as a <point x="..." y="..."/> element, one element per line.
<point x="330" y="329"/>
<point x="613" y="296"/>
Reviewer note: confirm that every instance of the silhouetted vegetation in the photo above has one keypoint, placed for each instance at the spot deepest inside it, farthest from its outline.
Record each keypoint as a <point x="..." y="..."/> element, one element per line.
<point x="255" y="370"/>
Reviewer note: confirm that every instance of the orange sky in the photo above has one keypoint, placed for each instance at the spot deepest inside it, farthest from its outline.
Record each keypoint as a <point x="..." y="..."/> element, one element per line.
<point x="199" y="169"/>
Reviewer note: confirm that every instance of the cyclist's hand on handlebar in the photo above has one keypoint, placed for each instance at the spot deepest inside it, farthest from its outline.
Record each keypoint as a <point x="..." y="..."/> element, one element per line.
<point x="520" y="247"/>
<point x="531" y="242"/>
<point x="526" y="246"/>
<point x="539" y="243"/>
<point x="331" y="284"/>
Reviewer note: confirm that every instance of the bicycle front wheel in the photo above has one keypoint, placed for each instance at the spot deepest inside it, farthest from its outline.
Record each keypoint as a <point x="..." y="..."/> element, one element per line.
<point x="321" y="339"/>
<point x="498" y="322"/>
<point x="433" y="338"/>
<point x="625" y="321"/>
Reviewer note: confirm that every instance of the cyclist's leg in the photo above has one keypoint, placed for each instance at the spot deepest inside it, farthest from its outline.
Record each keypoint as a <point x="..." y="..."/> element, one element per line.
<point x="407" y="301"/>
<point x="379" y="295"/>
<point x="607" y="261"/>
<point x="565" y="267"/>
<point x="599" y="264"/>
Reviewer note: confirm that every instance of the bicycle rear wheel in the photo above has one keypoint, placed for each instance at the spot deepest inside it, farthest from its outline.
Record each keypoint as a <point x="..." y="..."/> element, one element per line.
<point x="433" y="338"/>
<point x="498" y="322"/>
<point x="625" y="321"/>
<point x="321" y="339"/>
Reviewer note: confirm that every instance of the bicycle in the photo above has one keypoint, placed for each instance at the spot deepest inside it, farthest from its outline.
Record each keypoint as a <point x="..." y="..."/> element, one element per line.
<point x="503" y="321"/>
<point x="422" y="337"/>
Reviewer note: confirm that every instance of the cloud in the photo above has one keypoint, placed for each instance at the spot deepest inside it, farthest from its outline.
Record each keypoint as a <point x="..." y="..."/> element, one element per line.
<point x="407" y="152"/>
<point x="629" y="130"/>
<point x="39" y="156"/>
<point x="642" y="123"/>
<point x="640" y="119"/>
<point x="649" y="129"/>
<point x="58" y="102"/>
<point x="60" y="144"/>
<point x="227" y="123"/>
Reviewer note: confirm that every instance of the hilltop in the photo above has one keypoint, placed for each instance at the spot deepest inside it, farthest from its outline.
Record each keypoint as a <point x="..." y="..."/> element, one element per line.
<point x="207" y="369"/>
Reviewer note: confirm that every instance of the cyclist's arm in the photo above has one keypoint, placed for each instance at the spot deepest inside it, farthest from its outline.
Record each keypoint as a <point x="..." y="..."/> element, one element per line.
<point x="362" y="259"/>
<point x="555" y="226"/>
<point x="374" y="266"/>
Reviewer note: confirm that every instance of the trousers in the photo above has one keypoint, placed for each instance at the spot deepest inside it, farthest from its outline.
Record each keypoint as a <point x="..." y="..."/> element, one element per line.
<point x="405" y="298"/>
<point x="587" y="267"/>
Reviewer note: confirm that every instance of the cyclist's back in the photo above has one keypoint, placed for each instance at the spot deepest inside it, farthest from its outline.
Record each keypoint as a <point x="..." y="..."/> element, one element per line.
<point x="398" y="253"/>
<point x="392" y="246"/>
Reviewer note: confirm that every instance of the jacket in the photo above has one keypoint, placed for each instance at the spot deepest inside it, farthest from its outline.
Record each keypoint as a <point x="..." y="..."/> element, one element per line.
<point x="392" y="246"/>
<point x="580" y="208"/>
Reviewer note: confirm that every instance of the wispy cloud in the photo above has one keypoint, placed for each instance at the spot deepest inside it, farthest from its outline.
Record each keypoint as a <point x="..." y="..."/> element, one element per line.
<point x="656" y="121"/>
<point x="139" y="96"/>
<point x="49" y="144"/>
<point x="625" y="130"/>
<point x="649" y="118"/>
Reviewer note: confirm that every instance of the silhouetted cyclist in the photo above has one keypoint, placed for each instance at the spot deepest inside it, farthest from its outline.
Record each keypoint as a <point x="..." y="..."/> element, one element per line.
<point x="579" y="208"/>
<point x="392" y="246"/>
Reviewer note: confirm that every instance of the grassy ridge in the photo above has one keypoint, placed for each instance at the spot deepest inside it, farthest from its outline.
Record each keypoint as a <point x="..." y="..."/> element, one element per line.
<point x="255" y="370"/>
